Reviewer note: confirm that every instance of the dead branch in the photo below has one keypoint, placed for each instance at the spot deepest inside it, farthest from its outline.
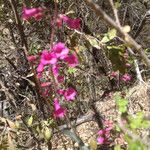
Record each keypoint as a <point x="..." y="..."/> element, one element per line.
<point x="128" y="39"/>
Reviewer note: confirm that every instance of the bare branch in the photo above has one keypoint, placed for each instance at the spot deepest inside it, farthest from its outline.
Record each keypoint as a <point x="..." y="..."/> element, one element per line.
<point x="128" y="39"/>
<point x="115" y="11"/>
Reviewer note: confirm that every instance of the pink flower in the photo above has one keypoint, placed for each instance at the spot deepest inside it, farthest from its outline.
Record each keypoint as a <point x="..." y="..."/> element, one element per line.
<point x="60" y="79"/>
<point x="126" y="77"/>
<point x="100" y="140"/>
<point x="60" y="50"/>
<point x="59" y="112"/>
<point x="59" y="22"/>
<point x="61" y="92"/>
<point x="45" y="92"/>
<point x="45" y="84"/>
<point x="31" y="58"/>
<point x="40" y="68"/>
<point x="105" y="132"/>
<point x="55" y="70"/>
<point x="101" y="132"/>
<point x="48" y="58"/>
<point x="32" y="12"/>
<point x="72" y="60"/>
<point x="71" y="23"/>
<point x="70" y="94"/>
<point x="128" y="65"/>
<point x="38" y="16"/>
<point x="113" y="74"/>
<point x="39" y="75"/>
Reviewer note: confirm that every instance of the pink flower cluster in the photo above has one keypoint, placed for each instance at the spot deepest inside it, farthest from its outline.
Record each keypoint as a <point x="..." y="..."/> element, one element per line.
<point x="59" y="111"/>
<point x="36" y="13"/>
<point x="59" y="52"/>
<point x="104" y="134"/>
<point x="69" y="94"/>
<point x="52" y="59"/>
<point x="126" y="78"/>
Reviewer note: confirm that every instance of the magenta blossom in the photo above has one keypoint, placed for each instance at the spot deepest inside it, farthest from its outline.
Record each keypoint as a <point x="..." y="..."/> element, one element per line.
<point x="71" y="23"/>
<point x="39" y="75"/>
<point x="70" y="94"/>
<point x="31" y="58"/>
<point x="104" y="135"/>
<point x="100" y="140"/>
<point x="113" y="74"/>
<point x="126" y="77"/>
<point x="40" y="68"/>
<point x="32" y="12"/>
<point x="71" y="60"/>
<point x="48" y="58"/>
<point x="60" y="79"/>
<point x="60" y="50"/>
<point x="60" y="91"/>
<point x="55" y="70"/>
<point x="59" y="112"/>
<point x="45" y="84"/>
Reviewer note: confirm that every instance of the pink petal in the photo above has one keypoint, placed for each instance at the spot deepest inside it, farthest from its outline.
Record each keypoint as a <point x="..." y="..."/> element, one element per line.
<point x="60" y="50"/>
<point x="56" y="104"/>
<point x="55" y="69"/>
<point x="59" y="112"/>
<point x="71" y="23"/>
<point x="100" y="140"/>
<point x="45" y="84"/>
<point x="38" y="16"/>
<point x="31" y="12"/>
<point x="126" y="77"/>
<point x="60" y="79"/>
<point x="40" y="68"/>
<point x="59" y="22"/>
<point x="113" y="74"/>
<point x="48" y="58"/>
<point x="101" y="132"/>
<point x="39" y="75"/>
<point x="61" y="92"/>
<point x="31" y="58"/>
<point x="70" y="94"/>
<point x="72" y="60"/>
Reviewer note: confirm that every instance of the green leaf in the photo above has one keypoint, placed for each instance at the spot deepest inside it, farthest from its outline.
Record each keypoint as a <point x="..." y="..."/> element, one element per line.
<point x="72" y="70"/>
<point x="47" y="133"/>
<point x="112" y="33"/>
<point x="117" y="128"/>
<point x="117" y="147"/>
<point x="121" y="104"/>
<point x="116" y="57"/>
<point x="109" y="36"/>
<point x="138" y="121"/>
<point x="93" y="41"/>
